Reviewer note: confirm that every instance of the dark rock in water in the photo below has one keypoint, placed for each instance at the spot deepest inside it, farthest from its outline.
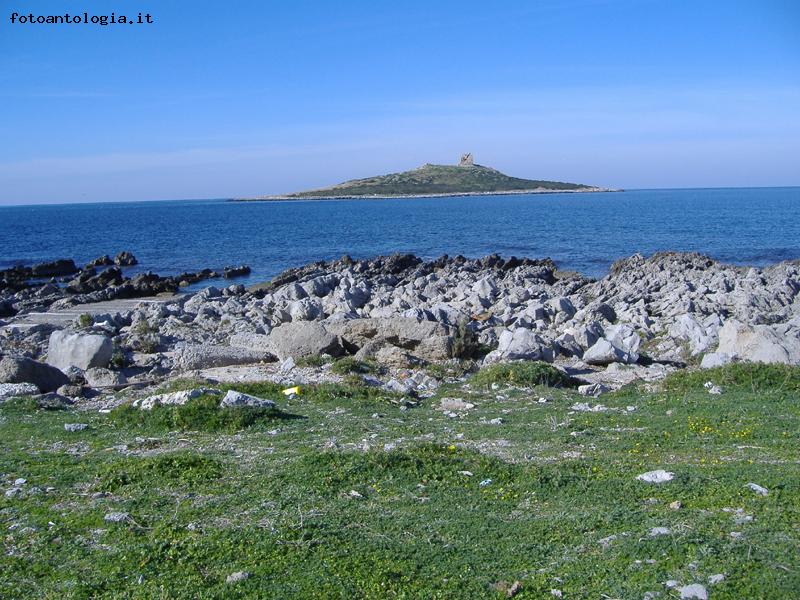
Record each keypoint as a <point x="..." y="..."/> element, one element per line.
<point x="101" y="261"/>
<point x="147" y="284"/>
<point x="56" y="268"/>
<point x="88" y="281"/>
<point x="18" y="369"/>
<point x="185" y="279"/>
<point x="125" y="259"/>
<point x="241" y="271"/>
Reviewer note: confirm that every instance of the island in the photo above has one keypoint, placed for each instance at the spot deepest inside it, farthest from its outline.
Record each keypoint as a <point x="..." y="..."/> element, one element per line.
<point x="464" y="179"/>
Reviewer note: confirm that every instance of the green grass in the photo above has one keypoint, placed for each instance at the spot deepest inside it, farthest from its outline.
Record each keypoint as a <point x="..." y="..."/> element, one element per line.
<point x="200" y="414"/>
<point x="524" y="374"/>
<point x="754" y="377"/>
<point x="360" y="499"/>
<point x="315" y="360"/>
<point x="348" y="364"/>
<point x="175" y="468"/>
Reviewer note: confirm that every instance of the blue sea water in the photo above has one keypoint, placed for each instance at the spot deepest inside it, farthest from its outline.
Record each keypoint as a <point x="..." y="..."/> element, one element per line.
<point x="584" y="232"/>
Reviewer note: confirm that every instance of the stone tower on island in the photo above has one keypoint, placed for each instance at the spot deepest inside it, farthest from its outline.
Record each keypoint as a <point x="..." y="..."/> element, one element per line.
<point x="466" y="160"/>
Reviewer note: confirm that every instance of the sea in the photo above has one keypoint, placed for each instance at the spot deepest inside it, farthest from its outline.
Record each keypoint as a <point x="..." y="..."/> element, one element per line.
<point x="584" y="232"/>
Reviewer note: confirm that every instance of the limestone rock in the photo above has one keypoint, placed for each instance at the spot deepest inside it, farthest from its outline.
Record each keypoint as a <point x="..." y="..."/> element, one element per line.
<point x="15" y="390"/>
<point x="239" y="399"/>
<point x="715" y="359"/>
<point x="98" y="377"/>
<point x="604" y="352"/>
<point x="173" y="398"/>
<point x="521" y="344"/>
<point x="46" y="378"/>
<point x="81" y="350"/>
<point x="759" y="343"/>
<point x="191" y="357"/>
<point x="303" y="338"/>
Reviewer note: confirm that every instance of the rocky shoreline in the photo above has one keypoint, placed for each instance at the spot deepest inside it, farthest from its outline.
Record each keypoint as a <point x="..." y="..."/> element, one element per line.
<point x="646" y="318"/>
<point x="61" y="284"/>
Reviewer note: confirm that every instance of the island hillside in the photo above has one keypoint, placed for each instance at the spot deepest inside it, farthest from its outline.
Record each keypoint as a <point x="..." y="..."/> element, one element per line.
<point x="466" y="178"/>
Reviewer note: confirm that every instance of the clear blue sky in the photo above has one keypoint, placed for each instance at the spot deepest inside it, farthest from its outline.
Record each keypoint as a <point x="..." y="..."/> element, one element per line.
<point x="242" y="98"/>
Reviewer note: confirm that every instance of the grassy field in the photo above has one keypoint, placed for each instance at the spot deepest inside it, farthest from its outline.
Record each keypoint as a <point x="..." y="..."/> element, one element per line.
<point x="343" y="494"/>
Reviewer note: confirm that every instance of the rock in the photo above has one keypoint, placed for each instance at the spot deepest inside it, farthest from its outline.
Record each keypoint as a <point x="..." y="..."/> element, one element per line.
<point x="606" y="542"/>
<point x="257" y="342"/>
<point x="238" y="399"/>
<point x="303" y="338"/>
<point x="15" y="390"/>
<point x="392" y="356"/>
<point x="657" y="531"/>
<point x="761" y="491"/>
<point x="97" y="377"/>
<point x="54" y="269"/>
<point x="70" y="391"/>
<point x="288" y="365"/>
<point x="75" y="427"/>
<point x="521" y="344"/>
<point x="80" y="350"/>
<point x="125" y="259"/>
<point x="75" y="375"/>
<point x="193" y="356"/>
<point x="427" y="340"/>
<point x="26" y="370"/>
<point x="456" y="404"/>
<point x="715" y="359"/>
<point x="117" y="517"/>
<point x="585" y="407"/>
<point x="715" y="579"/>
<point x="237" y="577"/>
<point x="593" y="389"/>
<point x="100" y="261"/>
<point x="694" y="591"/>
<point x="675" y="505"/>
<point x="604" y="352"/>
<point x="52" y="401"/>
<point x="758" y="343"/>
<point x="400" y="387"/>
<point x="173" y="398"/>
<point x="687" y="328"/>
<point x="231" y="272"/>
<point x="658" y="476"/>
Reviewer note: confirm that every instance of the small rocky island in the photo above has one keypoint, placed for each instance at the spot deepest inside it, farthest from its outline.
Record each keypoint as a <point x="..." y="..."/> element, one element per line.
<point x="464" y="179"/>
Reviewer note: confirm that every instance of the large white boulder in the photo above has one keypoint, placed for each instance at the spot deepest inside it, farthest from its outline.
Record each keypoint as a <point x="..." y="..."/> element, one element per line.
<point x="605" y="352"/>
<point x="82" y="350"/>
<point x="303" y="338"/>
<point x="239" y="399"/>
<point x="521" y="344"/>
<point x="760" y="343"/>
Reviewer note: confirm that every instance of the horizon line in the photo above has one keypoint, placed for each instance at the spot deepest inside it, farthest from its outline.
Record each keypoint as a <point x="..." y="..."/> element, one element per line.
<point x="226" y="198"/>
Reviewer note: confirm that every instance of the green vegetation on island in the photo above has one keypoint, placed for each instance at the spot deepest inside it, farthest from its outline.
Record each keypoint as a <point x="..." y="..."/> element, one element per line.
<point x="466" y="178"/>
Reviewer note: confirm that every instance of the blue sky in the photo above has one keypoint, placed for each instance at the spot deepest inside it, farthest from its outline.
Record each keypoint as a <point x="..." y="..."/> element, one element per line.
<point x="244" y="98"/>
